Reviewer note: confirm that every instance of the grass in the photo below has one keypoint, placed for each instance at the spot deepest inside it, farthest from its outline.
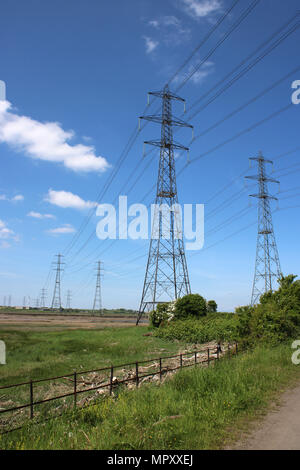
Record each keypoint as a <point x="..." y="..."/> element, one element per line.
<point x="199" y="408"/>
<point x="36" y="355"/>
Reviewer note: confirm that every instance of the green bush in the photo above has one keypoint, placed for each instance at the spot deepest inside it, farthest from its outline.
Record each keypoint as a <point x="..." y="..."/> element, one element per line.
<point x="212" y="306"/>
<point x="163" y="313"/>
<point x="218" y="326"/>
<point x="190" y="305"/>
<point x="276" y="318"/>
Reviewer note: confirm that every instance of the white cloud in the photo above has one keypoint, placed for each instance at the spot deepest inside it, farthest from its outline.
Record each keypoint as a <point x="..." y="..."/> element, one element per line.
<point x="6" y="234"/>
<point x="67" y="199"/>
<point x="17" y="198"/>
<point x="151" y="44"/>
<point x="165" y="21"/>
<point x="198" y="76"/>
<point x="170" y="29"/>
<point x="46" y="141"/>
<point x="37" y="215"/>
<point x="202" y="8"/>
<point x="171" y="21"/>
<point x="154" y="23"/>
<point x="64" y="229"/>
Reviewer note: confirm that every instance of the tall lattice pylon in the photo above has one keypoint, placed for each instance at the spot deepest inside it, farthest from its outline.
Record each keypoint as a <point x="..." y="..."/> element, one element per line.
<point x="43" y="298"/>
<point x="69" y="297"/>
<point x="267" y="265"/>
<point x="166" y="277"/>
<point x="56" y="300"/>
<point x="97" y="306"/>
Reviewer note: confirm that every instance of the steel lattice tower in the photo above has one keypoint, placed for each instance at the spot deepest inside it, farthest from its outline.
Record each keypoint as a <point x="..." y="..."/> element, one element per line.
<point x="267" y="265"/>
<point x="166" y="277"/>
<point x="97" y="306"/>
<point x="68" y="303"/>
<point x="43" y="298"/>
<point x="56" y="300"/>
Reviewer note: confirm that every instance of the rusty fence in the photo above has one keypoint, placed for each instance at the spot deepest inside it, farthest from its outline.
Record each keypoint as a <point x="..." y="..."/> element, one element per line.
<point x="106" y="385"/>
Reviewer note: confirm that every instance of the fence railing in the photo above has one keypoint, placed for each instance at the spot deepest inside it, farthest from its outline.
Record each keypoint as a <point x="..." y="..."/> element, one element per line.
<point x="204" y="356"/>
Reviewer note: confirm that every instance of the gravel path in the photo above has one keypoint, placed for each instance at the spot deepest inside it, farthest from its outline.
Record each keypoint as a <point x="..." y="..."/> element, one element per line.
<point x="280" y="430"/>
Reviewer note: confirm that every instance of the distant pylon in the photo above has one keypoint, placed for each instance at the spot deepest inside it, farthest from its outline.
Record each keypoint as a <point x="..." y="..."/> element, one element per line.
<point x="43" y="298"/>
<point x="37" y="302"/>
<point x="267" y="265"/>
<point x="166" y="277"/>
<point x="9" y="301"/>
<point x="24" y="301"/>
<point x="56" y="300"/>
<point x="68" y="303"/>
<point x="97" y="306"/>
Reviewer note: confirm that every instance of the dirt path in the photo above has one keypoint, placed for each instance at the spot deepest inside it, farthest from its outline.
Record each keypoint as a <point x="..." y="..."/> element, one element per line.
<point x="280" y="430"/>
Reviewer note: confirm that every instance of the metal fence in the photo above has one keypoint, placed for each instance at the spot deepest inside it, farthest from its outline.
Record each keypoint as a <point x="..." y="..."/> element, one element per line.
<point x="204" y="356"/>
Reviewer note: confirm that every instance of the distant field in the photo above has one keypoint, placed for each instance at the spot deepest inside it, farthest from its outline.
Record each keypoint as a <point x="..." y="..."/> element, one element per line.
<point x="34" y="321"/>
<point x="106" y="312"/>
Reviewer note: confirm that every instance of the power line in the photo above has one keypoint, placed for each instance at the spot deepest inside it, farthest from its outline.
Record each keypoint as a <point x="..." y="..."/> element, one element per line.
<point x="244" y="61"/>
<point x="135" y="134"/>
<point x="204" y="40"/>
<point x="248" y="68"/>
<point x="220" y="42"/>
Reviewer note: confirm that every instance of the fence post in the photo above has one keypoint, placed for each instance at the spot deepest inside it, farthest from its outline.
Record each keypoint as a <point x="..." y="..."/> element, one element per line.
<point x="75" y="389"/>
<point x="181" y="360"/>
<point x="111" y="380"/>
<point x="31" y="399"/>
<point x="195" y="357"/>
<point x="160" y="369"/>
<point x="208" y="358"/>
<point x="218" y="352"/>
<point x="137" y="373"/>
<point x="229" y="355"/>
<point x="236" y="348"/>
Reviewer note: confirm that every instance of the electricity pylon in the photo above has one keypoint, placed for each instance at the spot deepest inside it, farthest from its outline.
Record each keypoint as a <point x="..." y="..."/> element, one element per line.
<point x="166" y="277"/>
<point x="56" y="300"/>
<point x="267" y="265"/>
<point x="68" y="303"/>
<point x="43" y="298"/>
<point x="97" y="306"/>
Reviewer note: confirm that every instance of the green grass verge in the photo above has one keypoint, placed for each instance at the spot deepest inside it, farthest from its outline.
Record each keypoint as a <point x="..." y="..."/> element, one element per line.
<point x="210" y="404"/>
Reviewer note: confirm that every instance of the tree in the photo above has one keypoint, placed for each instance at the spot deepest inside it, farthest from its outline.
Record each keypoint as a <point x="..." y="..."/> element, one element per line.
<point x="212" y="306"/>
<point x="190" y="305"/>
<point x="277" y="317"/>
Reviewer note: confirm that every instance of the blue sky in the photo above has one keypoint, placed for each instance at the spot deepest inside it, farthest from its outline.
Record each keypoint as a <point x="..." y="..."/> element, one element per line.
<point x="77" y="75"/>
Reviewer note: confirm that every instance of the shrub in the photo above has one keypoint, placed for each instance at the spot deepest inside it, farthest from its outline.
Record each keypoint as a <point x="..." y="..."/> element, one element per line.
<point x="190" y="305"/>
<point x="218" y="327"/>
<point x="212" y="306"/>
<point x="276" y="318"/>
<point x="164" y="312"/>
